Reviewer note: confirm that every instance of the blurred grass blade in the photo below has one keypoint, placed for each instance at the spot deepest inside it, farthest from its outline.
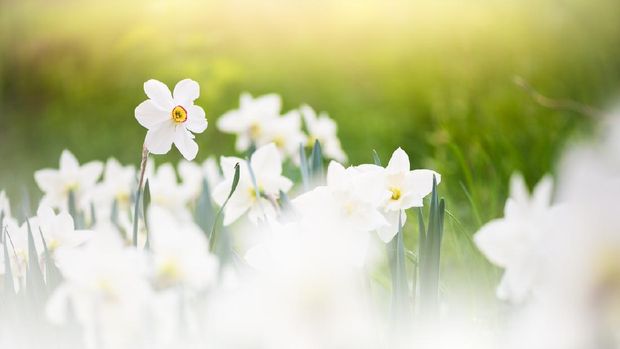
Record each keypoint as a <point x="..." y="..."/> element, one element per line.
<point x="235" y="182"/>
<point x="430" y="251"/>
<point x="316" y="164"/>
<point x="146" y="201"/>
<point x="8" y="273"/>
<point x="401" y="309"/>
<point x="204" y="214"/>
<point x="34" y="278"/>
<point x="303" y="167"/>
<point x="375" y="158"/>
<point x="52" y="274"/>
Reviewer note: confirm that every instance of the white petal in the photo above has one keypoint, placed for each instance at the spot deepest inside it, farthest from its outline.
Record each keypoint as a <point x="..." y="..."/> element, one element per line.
<point x="184" y="142"/>
<point x="68" y="161"/>
<point x="543" y="192"/>
<point x="399" y="162"/>
<point x="159" y="93"/>
<point x="420" y="182"/>
<point x="266" y="161"/>
<point x="150" y="114"/>
<point x="234" y="209"/>
<point x="159" y="140"/>
<point x="186" y="91"/>
<point x="336" y="174"/>
<point x="47" y="179"/>
<point x="90" y="172"/>
<point x="497" y="240"/>
<point x="196" y="121"/>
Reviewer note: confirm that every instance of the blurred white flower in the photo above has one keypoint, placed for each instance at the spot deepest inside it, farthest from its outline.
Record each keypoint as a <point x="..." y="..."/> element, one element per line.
<point x="405" y="189"/>
<point x="305" y="294"/>
<point x="347" y="207"/>
<point x="180" y="253"/>
<point x="514" y="241"/>
<point x="323" y="129"/>
<point x="267" y="168"/>
<point x="250" y="121"/>
<point x="285" y="132"/>
<point x="118" y="184"/>
<point x="58" y="230"/>
<point x="171" y="117"/>
<point x="70" y="177"/>
<point x="192" y="178"/>
<point x="104" y="289"/>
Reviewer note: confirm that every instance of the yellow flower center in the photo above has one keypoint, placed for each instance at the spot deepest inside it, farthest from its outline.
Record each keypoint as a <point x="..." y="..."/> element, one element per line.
<point x="179" y="114"/>
<point x="255" y="130"/>
<point x="395" y="193"/>
<point x="279" y="141"/>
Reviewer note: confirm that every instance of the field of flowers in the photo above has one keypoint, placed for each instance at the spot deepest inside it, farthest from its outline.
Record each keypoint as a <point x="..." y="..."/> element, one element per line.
<point x="309" y="174"/>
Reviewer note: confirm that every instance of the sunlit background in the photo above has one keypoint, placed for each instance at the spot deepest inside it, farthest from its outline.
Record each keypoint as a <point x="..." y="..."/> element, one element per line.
<point x="434" y="77"/>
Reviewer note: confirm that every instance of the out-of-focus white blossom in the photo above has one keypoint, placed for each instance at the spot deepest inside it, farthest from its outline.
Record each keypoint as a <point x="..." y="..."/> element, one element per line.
<point x="323" y="129"/>
<point x="251" y="120"/>
<point x="69" y="177"/>
<point x="180" y="253"/>
<point x="514" y="241"/>
<point x="58" y="230"/>
<point x="258" y="200"/>
<point x="105" y="290"/>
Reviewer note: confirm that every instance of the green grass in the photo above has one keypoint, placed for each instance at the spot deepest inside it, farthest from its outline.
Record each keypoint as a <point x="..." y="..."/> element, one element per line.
<point x="435" y="78"/>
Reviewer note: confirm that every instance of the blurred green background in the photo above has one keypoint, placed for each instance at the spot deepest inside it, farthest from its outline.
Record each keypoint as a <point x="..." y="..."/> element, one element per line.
<point x="434" y="77"/>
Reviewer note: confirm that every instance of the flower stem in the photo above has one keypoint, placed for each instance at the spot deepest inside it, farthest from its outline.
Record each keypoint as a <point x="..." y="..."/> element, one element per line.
<point x="145" y="155"/>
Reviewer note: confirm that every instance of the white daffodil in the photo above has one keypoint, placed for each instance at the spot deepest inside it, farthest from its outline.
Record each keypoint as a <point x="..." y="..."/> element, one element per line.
<point x="180" y="253"/>
<point x="285" y="132"/>
<point x="405" y="189"/>
<point x="267" y="168"/>
<point x="171" y="117"/>
<point x="250" y="121"/>
<point x="117" y="185"/>
<point x="349" y="203"/>
<point x="70" y="177"/>
<point x="58" y="230"/>
<point x="513" y="242"/>
<point x="323" y="129"/>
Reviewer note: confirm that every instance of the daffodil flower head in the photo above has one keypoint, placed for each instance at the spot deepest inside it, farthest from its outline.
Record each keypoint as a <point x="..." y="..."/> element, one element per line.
<point x="171" y="117"/>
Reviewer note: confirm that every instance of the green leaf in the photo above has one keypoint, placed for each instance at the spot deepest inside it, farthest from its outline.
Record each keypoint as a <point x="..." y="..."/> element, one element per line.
<point x="52" y="274"/>
<point x="34" y="278"/>
<point x="8" y="274"/>
<point x="316" y="164"/>
<point x="303" y="167"/>
<point x="375" y="158"/>
<point x="235" y="182"/>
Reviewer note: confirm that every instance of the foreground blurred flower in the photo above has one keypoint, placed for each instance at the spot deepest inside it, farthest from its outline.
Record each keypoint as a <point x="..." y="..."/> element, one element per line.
<point x="266" y="166"/>
<point x="513" y="242"/>
<point x="70" y="177"/>
<point x="170" y="118"/>
<point x="323" y="129"/>
<point x="180" y="253"/>
<point x="249" y="122"/>
<point x="104" y="289"/>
